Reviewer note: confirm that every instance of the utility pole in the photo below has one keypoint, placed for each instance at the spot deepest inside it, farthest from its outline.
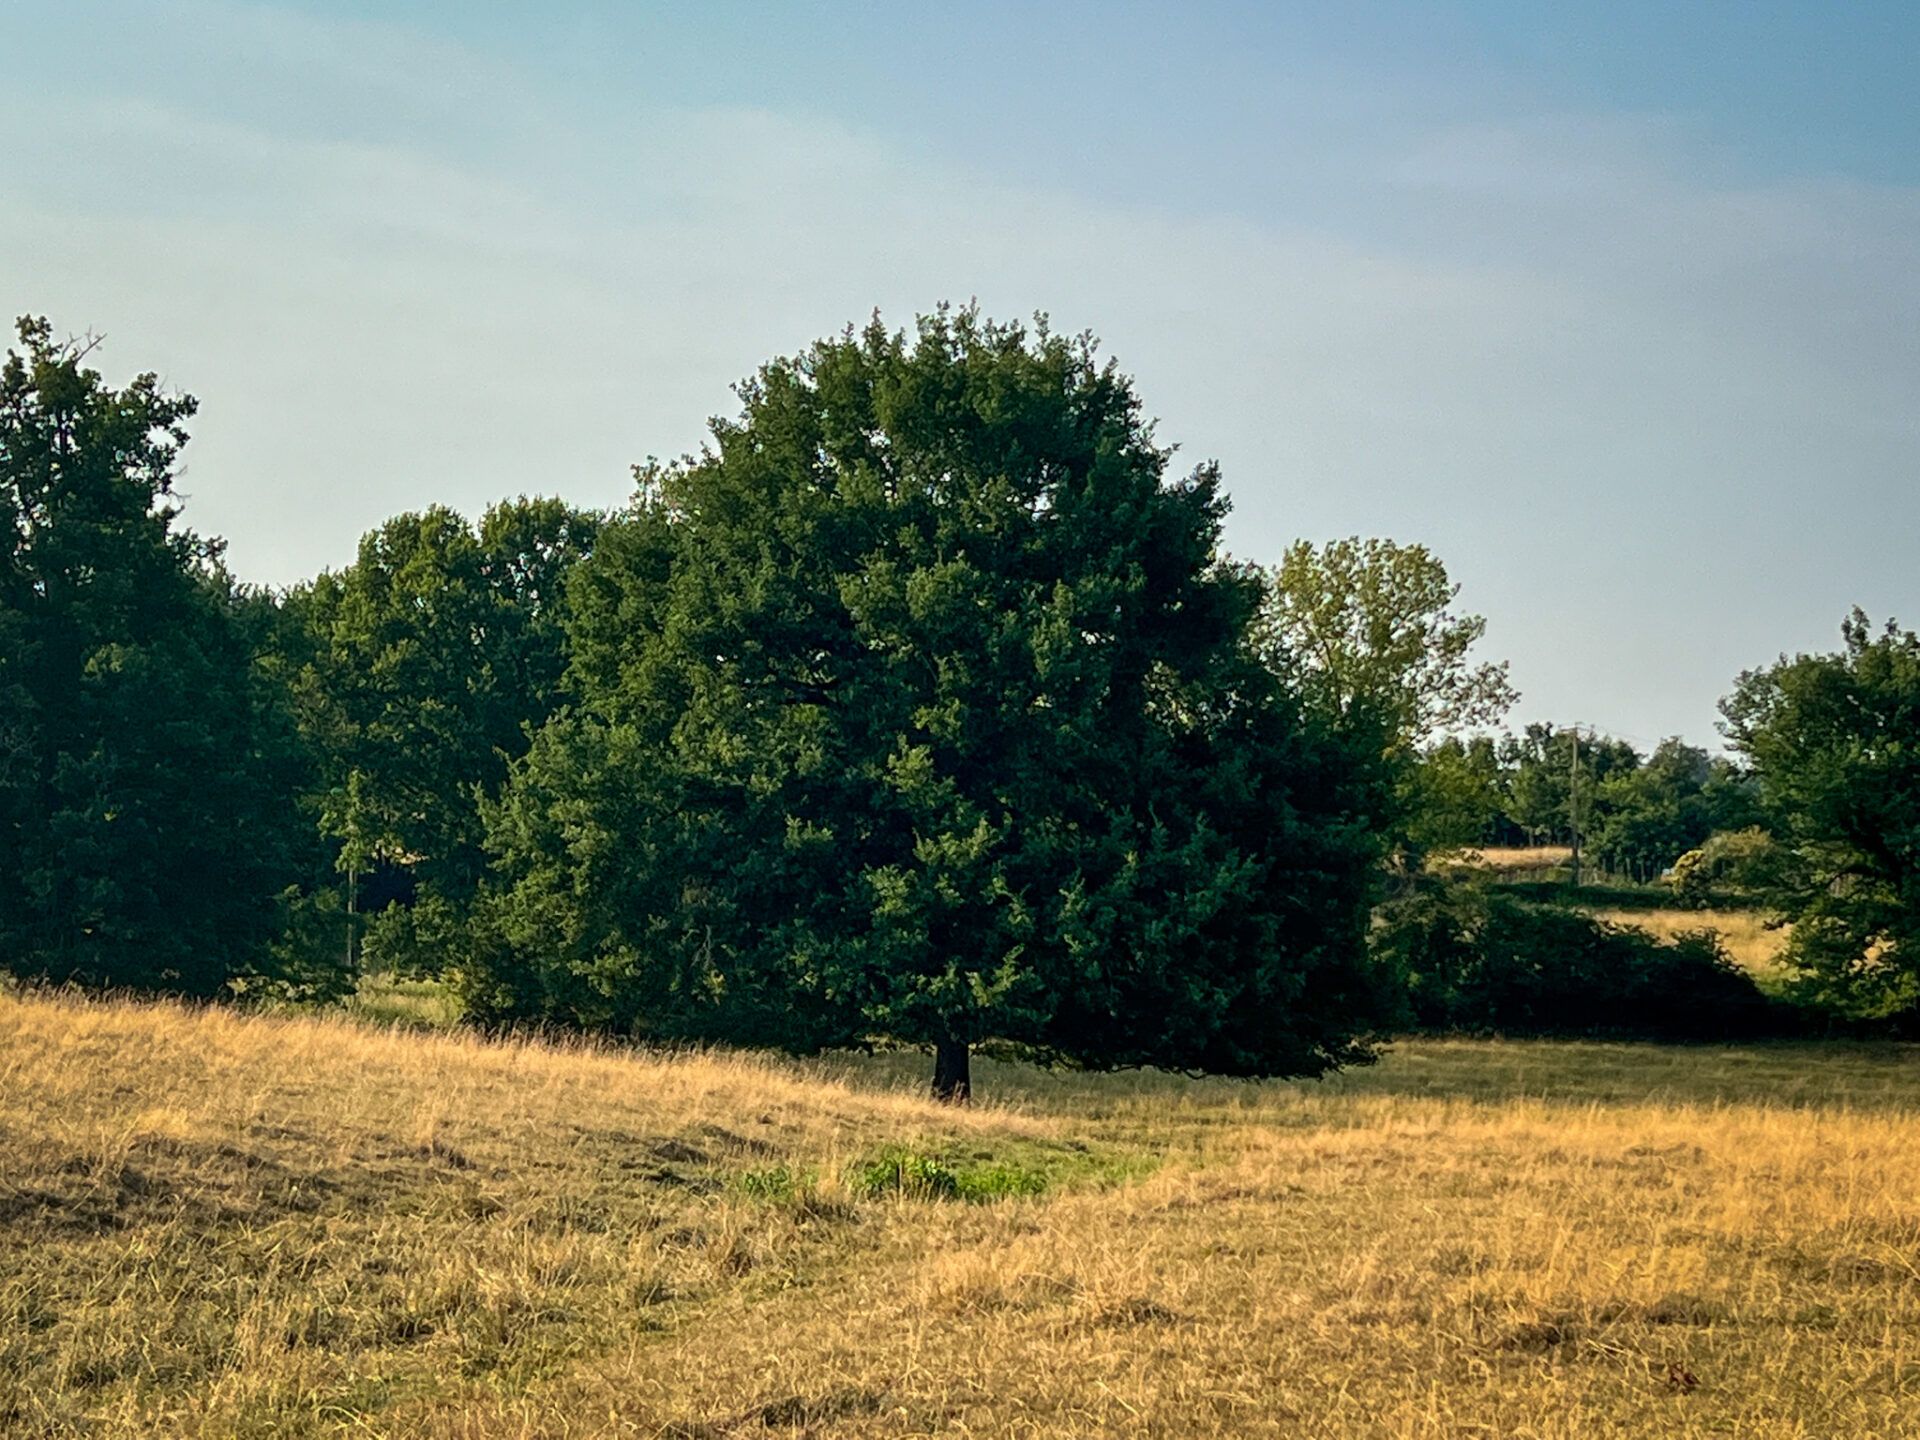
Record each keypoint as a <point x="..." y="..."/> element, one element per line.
<point x="1573" y="804"/>
<point x="351" y="856"/>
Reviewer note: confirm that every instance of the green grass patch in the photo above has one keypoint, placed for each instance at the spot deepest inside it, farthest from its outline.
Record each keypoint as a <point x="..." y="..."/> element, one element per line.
<point x="898" y="1171"/>
<point x="982" y="1177"/>
<point x="779" y="1184"/>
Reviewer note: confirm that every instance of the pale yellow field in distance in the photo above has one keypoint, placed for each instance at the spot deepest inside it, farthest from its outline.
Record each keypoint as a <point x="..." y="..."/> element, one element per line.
<point x="217" y="1225"/>
<point x="1747" y="938"/>
<point x="1507" y="859"/>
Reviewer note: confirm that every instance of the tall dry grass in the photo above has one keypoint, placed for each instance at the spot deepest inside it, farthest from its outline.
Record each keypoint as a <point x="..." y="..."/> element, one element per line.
<point x="1509" y="858"/>
<point x="1750" y="941"/>
<point x="212" y="1224"/>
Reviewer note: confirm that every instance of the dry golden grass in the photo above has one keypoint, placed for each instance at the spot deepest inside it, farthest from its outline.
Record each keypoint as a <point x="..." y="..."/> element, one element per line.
<point x="1751" y="943"/>
<point x="217" y="1225"/>
<point x="1509" y="859"/>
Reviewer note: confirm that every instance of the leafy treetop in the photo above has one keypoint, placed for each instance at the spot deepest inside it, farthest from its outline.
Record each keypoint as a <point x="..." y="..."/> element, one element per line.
<point x="1834" y="741"/>
<point x="921" y="705"/>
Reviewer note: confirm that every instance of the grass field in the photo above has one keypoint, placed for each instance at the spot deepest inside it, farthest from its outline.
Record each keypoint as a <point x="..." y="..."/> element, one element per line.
<point x="1517" y="857"/>
<point x="220" y="1225"/>
<point x="1746" y="936"/>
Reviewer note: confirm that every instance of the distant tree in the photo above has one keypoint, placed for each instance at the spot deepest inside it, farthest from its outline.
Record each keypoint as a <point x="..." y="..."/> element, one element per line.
<point x="1731" y="796"/>
<point x="922" y="706"/>
<point x="1540" y="768"/>
<point x="1462" y="796"/>
<point x="1365" y="630"/>
<point x="1646" y="817"/>
<point x="1636" y="816"/>
<point x="144" y="793"/>
<point x="1834" y="742"/>
<point x="1538" y="783"/>
<point x="418" y="673"/>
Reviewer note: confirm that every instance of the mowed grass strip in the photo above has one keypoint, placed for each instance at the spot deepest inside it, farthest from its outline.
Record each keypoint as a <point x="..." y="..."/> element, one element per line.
<point x="215" y="1224"/>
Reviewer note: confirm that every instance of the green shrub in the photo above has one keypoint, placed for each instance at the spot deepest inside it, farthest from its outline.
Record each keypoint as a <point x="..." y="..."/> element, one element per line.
<point x="999" y="1182"/>
<point x="1469" y="958"/>
<point x="1733" y="864"/>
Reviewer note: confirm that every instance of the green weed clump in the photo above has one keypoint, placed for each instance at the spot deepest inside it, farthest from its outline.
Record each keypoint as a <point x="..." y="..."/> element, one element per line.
<point x="897" y="1170"/>
<point x="777" y="1183"/>
<point x="999" y="1182"/>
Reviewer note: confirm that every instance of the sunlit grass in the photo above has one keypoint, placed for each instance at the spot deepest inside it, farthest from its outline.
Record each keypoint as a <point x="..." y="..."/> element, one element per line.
<point x="397" y="1000"/>
<point x="1508" y="859"/>
<point x="214" y="1224"/>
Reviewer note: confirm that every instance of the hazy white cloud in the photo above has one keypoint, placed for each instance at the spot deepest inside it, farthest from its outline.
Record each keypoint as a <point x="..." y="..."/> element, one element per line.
<point x="1640" y="415"/>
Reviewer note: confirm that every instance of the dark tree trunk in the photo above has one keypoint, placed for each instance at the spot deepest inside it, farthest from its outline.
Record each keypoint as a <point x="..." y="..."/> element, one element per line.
<point x="952" y="1072"/>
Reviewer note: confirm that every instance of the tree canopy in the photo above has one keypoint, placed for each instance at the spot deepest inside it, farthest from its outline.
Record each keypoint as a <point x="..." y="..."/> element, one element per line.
<point x="1645" y="816"/>
<point x="417" y="674"/>
<point x="921" y="705"/>
<point x="1834" y="741"/>
<point x="1364" y="630"/>
<point x="144" y="794"/>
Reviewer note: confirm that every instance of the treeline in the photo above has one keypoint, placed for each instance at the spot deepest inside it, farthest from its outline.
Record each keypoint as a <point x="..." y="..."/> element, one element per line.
<point x="1634" y="815"/>
<point x="921" y="705"/>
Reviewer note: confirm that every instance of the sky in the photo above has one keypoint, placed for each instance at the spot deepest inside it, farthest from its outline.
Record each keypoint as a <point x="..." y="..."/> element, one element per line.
<point x="1614" y="306"/>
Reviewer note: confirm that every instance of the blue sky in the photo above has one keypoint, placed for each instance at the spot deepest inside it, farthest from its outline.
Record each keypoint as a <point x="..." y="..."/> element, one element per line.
<point x="1615" y="306"/>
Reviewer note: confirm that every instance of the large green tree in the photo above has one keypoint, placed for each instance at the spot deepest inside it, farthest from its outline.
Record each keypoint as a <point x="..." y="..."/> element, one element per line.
<point x="418" y="673"/>
<point x="1834" y="742"/>
<point x="143" y="796"/>
<point x="922" y="706"/>
<point x="1367" y="631"/>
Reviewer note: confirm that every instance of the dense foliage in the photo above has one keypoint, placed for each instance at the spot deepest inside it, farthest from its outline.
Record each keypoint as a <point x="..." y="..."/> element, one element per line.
<point x="1472" y="957"/>
<point x="1835" y="743"/>
<point x="920" y="706"/>
<point x="416" y="674"/>
<point x="923" y="706"/>
<point x="1637" y="816"/>
<point x="1364" y="631"/>
<point x="145" y="779"/>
